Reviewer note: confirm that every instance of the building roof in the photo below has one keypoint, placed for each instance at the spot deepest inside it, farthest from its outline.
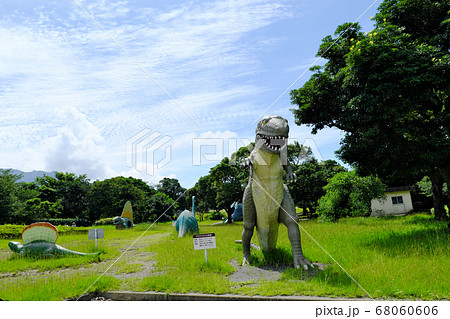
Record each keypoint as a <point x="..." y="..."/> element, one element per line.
<point x="398" y="189"/>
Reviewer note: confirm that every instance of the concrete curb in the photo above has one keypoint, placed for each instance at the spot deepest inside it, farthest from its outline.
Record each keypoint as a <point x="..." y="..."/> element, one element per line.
<point x="160" y="296"/>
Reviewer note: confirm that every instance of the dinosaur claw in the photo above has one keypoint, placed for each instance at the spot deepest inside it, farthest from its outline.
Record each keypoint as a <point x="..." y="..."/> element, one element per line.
<point x="303" y="262"/>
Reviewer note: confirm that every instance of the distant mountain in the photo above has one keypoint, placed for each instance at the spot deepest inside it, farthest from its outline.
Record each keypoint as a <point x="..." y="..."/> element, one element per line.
<point x="28" y="177"/>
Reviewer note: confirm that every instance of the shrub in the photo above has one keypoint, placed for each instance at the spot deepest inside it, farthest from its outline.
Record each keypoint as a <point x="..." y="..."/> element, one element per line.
<point x="215" y="216"/>
<point x="104" y="221"/>
<point x="67" y="221"/>
<point x="348" y="194"/>
<point x="11" y="231"/>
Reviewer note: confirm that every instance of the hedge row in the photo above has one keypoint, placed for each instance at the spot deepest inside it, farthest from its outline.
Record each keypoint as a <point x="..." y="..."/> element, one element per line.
<point x="15" y="231"/>
<point x="67" y="221"/>
<point x="104" y="221"/>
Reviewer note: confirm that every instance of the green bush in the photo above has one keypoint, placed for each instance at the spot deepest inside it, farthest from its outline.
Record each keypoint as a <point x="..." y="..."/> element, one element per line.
<point x="349" y="195"/>
<point x="215" y="216"/>
<point x="104" y="221"/>
<point x="69" y="230"/>
<point x="11" y="231"/>
<point x="15" y="231"/>
<point x="67" y="221"/>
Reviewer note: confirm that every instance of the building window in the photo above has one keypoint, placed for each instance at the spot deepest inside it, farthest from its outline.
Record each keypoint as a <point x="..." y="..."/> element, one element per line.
<point x="396" y="200"/>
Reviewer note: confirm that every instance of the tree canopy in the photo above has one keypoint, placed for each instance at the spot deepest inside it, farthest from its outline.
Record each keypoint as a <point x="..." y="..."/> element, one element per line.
<point x="388" y="91"/>
<point x="172" y="188"/>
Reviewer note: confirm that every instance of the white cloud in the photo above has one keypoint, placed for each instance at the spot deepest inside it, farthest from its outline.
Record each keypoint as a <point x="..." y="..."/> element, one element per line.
<point x="77" y="147"/>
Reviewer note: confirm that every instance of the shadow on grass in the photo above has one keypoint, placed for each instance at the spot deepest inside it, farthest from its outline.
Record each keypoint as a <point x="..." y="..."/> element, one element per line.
<point x="280" y="259"/>
<point x="276" y="258"/>
<point x="330" y="275"/>
<point x="411" y="242"/>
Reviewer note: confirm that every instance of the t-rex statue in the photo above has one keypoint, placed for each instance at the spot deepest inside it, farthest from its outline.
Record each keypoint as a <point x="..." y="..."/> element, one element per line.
<point x="267" y="201"/>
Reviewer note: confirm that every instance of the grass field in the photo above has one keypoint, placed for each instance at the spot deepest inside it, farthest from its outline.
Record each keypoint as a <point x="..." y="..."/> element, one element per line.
<point x="388" y="258"/>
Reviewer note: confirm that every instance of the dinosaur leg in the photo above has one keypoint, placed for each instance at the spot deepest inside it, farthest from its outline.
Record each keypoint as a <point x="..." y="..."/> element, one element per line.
<point x="249" y="216"/>
<point x="289" y="218"/>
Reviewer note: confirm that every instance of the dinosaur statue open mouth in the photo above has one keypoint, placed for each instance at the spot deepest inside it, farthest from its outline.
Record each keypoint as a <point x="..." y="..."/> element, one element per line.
<point x="273" y="142"/>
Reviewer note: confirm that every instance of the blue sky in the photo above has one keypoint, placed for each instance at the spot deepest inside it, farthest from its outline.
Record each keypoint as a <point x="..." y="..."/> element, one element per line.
<point x="155" y="89"/>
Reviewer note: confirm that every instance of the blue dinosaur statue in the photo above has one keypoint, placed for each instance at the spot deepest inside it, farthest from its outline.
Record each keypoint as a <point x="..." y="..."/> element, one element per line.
<point x="186" y="222"/>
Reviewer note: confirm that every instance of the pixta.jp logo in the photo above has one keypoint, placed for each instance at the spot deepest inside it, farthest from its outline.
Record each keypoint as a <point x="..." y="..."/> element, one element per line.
<point x="148" y="151"/>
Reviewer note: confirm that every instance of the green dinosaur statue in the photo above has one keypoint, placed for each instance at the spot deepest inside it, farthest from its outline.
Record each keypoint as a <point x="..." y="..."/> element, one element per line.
<point x="44" y="249"/>
<point x="126" y="219"/>
<point x="267" y="201"/>
<point x="39" y="241"/>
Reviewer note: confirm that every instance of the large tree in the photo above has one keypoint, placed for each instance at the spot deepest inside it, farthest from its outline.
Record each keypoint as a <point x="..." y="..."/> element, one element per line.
<point x="108" y="197"/>
<point x="227" y="183"/>
<point x="66" y="192"/>
<point x="8" y="198"/>
<point x="172" y="188"/>
<point x="388" y="91"/>
<point x="205" y="196"/>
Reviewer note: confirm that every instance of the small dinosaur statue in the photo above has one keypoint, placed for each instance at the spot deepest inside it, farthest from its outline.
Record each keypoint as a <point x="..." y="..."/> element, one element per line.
<point x="267" y="201"/>
<point x="39" y="240"/>
<point x="186" y="223"/>
<point x="126" y="219"/>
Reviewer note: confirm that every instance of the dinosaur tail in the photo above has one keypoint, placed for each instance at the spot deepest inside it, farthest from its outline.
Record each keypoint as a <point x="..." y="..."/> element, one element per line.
<point x="64" y="251"/>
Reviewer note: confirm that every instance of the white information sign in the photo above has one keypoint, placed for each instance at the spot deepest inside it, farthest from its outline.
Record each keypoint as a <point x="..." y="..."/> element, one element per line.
<point x="96" y="233"/>
<point x="204" y="241"/>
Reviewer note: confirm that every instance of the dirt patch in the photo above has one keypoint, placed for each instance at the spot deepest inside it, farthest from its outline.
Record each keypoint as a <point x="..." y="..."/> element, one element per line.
<point x="253" y="274"/>
<point x="147" y="269"/>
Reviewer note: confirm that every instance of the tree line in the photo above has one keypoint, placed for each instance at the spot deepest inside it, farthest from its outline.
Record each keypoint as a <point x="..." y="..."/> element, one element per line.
<point x="70" y="196"/>
<point x="323" y="189"/>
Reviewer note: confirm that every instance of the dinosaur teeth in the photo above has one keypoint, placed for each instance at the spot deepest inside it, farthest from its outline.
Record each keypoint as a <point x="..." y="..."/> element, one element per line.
<point x="273" y="142"/>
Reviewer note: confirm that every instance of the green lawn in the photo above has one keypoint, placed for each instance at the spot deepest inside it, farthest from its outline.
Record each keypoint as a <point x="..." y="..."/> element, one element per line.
<point x="389" y="258"/>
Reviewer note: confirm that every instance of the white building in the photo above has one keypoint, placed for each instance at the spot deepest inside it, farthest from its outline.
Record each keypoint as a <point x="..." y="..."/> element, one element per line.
<point x="397" y="202"/>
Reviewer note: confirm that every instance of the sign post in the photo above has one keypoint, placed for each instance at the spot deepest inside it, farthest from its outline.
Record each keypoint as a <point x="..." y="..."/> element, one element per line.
<point x="96" y="234"/>
<point x="205" y="241"/>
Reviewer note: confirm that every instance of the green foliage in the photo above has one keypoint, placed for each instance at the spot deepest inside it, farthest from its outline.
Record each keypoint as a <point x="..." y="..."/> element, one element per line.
<point x="43" y="209"/>
<point x="172" y="188"/>
<point x="8" y="195"/>
<point x="215" y="215"/>
<point x="161" y="208"/>
<point x="63" y="196"/>
<point x="205" y="196"/>
<point x="11" y="231"/>
<point x="298" y="153"/>
<point x="348" y="194"/>
<point x="67" y="221"/>
<point x="425" y="187"/>
<point x="227" y="180"/>
<point x="312" y="176"/>
<point x="104" y="221"/>
<point x="107" y="198"/>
